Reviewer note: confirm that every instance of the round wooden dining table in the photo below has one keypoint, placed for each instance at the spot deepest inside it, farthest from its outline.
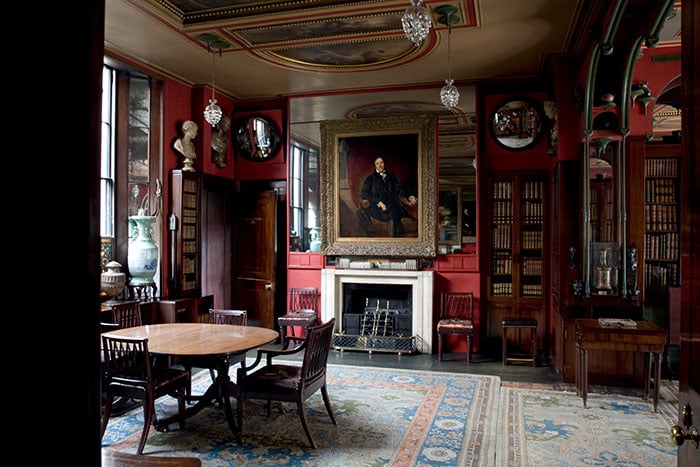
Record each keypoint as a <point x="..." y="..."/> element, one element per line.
<point x="214" y="344"/>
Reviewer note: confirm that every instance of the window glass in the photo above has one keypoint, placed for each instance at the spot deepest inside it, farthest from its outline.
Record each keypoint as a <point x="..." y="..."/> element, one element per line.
<point x="127" y="156"/>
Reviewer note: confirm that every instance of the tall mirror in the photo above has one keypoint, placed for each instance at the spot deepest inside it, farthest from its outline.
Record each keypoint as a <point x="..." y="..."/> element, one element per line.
<point x="604" y="229"/>
<point x="456" y="154"/>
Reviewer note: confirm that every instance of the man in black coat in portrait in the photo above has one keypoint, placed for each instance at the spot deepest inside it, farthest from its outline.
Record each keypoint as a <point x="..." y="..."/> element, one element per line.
<point x="383" y="198"/>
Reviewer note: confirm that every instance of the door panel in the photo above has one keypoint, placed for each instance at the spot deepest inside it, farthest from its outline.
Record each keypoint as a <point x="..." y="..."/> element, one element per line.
<point x="255" y="257"/>
<point x="689" y="375"/>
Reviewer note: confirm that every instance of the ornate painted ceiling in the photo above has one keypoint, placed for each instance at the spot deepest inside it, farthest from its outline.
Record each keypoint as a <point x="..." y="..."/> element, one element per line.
<point x="339" y="59"/>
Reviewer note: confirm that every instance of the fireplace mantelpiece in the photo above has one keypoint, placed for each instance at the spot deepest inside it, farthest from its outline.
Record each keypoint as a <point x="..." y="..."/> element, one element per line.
<point x="332" y="281"/>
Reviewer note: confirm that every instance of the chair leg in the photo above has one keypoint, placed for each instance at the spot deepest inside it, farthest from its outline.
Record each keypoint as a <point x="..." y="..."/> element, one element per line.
<point x="439" y="347"/>
<point x="283" y="332"/>
<point x="469" y="348"/>
<point x="239" y="419"/>
<point x="327" y="403"/>
<point x="148" y="409"/>
<point x="302" y="416"/>
<point x="106" y="412"/>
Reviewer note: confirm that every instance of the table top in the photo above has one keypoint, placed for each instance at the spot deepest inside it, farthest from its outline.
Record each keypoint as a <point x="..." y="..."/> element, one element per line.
<point x="198" y="339"/>
<point x="591" y="333"/>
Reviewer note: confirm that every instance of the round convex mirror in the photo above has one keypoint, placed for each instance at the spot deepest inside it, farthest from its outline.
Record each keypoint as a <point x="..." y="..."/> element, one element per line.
<point x="257" y="138"/>
<point x="516" y="124"/>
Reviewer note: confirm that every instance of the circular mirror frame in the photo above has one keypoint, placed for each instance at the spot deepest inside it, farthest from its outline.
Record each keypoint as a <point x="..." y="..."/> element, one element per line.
<point x="516" y="133"/>
<point x="252" y="147"/>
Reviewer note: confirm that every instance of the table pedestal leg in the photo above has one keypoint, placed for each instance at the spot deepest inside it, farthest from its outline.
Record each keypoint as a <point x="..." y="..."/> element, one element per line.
<point x="221" y="389"/>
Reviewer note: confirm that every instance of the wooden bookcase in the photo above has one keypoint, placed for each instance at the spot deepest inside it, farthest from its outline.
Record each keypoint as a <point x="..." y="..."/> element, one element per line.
<point x="655" y="221"/>
<point x="517" y="258"/>
<point x="186" y="193"/>
<point x="661" y="223"/>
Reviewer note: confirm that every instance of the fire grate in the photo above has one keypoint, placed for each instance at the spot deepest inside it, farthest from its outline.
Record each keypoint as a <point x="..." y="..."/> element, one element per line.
<point x="373" y="343"/>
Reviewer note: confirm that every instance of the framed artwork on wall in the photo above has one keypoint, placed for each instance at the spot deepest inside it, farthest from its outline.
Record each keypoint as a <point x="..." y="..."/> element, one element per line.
<point x="378" y="186"/>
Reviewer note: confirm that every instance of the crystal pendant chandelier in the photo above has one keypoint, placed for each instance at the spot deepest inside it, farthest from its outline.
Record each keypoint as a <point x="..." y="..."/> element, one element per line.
<point x="212" y="113"/>
<point x="416" y="22"/>
<point x="449" y="94"/>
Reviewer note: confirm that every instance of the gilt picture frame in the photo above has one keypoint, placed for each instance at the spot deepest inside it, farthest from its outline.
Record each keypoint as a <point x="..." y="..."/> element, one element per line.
<point x="349" y="148"/>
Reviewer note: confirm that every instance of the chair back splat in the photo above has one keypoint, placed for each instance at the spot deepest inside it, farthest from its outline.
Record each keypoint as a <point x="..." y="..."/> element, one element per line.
<point x="282" y="382"/>
<point x="456" y="318"/>
<point x="127" y="314"/>
<point x="302" y="313"/>
<point x="221" y="316"/>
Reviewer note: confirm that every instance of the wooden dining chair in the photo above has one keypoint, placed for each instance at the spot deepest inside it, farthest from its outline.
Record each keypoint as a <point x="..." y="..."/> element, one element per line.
<point x="302" y="313"/>
<point x="217" y="316"/>
<point x="456" y="318"/>
<point x="124" y="314"/>
<point x="289" y="382"/>
<point x="130" y="373"/>
<point x="127" y="314"/>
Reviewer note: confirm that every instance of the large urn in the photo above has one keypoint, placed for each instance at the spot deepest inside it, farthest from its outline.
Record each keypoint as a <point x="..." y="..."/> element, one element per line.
<point x="143" y="252"/>
<point x="112" y="281"/>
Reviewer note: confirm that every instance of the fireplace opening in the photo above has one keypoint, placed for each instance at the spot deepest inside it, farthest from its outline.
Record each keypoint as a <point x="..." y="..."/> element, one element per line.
<point x="377" y="312"/>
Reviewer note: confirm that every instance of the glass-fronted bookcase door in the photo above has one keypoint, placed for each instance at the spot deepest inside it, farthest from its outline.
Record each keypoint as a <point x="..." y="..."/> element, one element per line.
<point x="517" y="257"/>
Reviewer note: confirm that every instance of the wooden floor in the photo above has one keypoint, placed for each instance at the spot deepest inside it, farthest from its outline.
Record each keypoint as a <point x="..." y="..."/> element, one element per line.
<point x="454" y="363"/>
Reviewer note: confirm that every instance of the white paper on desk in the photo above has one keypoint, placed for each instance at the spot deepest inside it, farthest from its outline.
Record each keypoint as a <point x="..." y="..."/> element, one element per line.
<point x="617" y="323"/>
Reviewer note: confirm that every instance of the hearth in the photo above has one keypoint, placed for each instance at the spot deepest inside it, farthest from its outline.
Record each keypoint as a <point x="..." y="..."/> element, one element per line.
<point x="379" y="310"/>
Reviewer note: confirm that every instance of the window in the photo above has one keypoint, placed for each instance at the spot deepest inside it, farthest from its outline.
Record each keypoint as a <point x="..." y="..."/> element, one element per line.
<point x="304" y="197"/>
<point x="130" y="155"/>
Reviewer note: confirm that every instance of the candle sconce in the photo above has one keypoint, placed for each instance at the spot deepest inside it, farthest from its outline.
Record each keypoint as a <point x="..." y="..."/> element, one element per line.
<point x="632" y="261"/>
<point x="573" y="256"/>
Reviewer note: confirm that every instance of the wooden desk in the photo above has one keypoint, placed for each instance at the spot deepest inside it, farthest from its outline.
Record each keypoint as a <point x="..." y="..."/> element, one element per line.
<point x="217" y="343"/>
<point x="646" y="337"/>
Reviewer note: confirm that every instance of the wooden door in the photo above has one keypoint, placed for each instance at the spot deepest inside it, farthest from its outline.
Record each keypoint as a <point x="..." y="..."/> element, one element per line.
<point x="254" y="249"/>
<point x="689" y="376"/>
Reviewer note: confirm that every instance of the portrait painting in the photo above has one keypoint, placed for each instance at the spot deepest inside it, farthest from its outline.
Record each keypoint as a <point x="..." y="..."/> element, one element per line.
<point x="378" y="186"/>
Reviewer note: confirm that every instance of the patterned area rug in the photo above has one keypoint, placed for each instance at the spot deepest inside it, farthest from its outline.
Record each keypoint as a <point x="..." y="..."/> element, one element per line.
<point x="385" y="417"/>
<point x="539" y="427"/>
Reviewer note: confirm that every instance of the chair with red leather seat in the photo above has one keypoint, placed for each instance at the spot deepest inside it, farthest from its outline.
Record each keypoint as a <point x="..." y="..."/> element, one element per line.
<point x="456" y="318"/>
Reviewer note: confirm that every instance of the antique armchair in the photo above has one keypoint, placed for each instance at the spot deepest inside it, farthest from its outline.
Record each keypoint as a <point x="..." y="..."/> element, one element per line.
<point x="289" y="382"/>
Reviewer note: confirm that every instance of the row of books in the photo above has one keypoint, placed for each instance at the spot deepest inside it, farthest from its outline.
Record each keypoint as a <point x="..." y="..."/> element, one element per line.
<point x="658" y="275"/>
<point x="661" y="168"/>
<point x="660" y="191"/>
<point x="532" y="290"/>
<point x="532" y="189"/>
<point x="661" y="217"/>
<point x="662" y="246"/>
<point x="502" y="289"/>
<point x="502" y="236"/>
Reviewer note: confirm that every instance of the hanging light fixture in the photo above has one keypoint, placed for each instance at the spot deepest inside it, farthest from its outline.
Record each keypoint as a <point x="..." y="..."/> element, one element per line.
<point x="416" y="22"/>
<point x="449" y="94"/>
<point x="213" y="113"/>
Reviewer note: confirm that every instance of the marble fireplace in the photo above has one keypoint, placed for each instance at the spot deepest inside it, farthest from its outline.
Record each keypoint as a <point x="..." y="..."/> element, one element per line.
<point x="335" y="284"/>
